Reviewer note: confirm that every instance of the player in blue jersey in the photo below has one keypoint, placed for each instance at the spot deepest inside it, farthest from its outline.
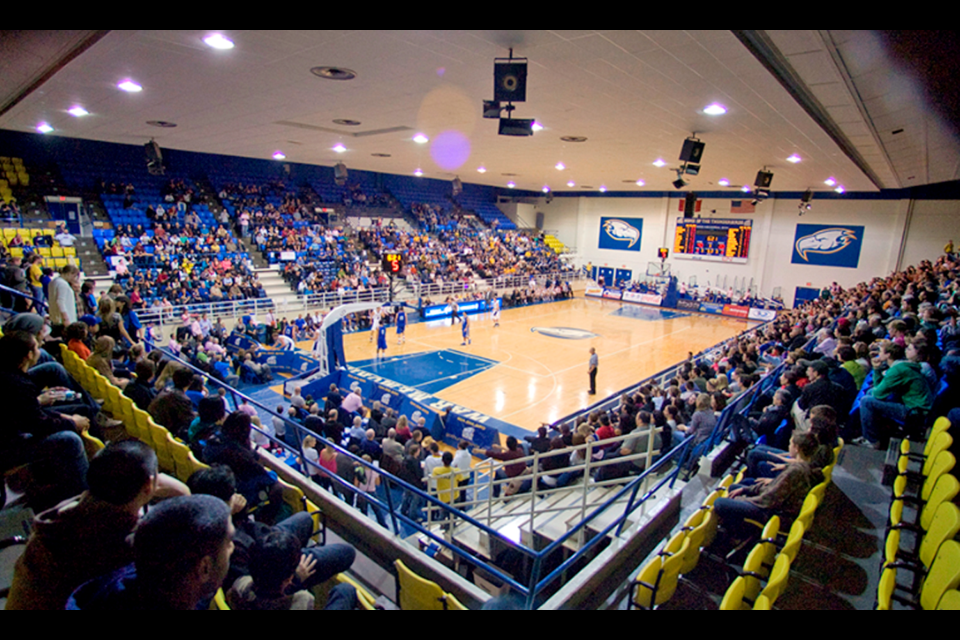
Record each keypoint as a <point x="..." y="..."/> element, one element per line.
<point x="465" y="327"/>
<point x="382" y="339"/>
<point x="401" y="326"/>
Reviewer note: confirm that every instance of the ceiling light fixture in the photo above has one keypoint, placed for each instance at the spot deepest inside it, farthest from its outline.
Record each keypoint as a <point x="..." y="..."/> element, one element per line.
<point x="794" y="159"/>
<point x="560" y="166"/>
<point x="511" y="184"/>
<point x="43" y="127"/>
<point x="78" y="112"/>
<point x="418" y="172"/>
<point x="603" y="189"/>
<point x="840" y="189"/>
<point x="724" y="182"/>
<point x="715" y="109"/>
<point x="536" y="126"/>
<point x="218" y="41"/>
<point x="641" y="183"/>
<point x="659" y="163"/>
<point x="339" y="148"/>
<point x="279" y="155"/>
<point x="830" y="182"/>
<point x="481" y="169"/>
<point x="129" y="86"/>
<point x="421" y="139"/>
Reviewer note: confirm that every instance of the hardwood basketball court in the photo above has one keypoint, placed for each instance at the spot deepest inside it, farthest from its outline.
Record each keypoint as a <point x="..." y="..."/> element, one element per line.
<point x="541" y="376"/>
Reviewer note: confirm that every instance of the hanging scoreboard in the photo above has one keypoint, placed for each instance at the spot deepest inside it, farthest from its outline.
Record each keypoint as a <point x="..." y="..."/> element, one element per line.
<point x="392" y="263"/>
<point x="716" y="240"/>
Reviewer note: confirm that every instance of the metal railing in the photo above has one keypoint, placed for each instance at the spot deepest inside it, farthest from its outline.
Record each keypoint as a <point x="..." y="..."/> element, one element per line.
<point x="420" y="290"/>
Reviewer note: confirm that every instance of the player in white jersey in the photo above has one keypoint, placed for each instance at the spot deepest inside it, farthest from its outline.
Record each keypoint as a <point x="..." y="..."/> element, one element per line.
<point x="496" y="312"/>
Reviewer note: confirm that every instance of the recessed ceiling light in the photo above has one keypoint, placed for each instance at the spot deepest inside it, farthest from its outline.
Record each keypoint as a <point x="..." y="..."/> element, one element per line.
<point x="421" y="139"/>
<point x="481" y="169"/>
<point x="830" y="182"/>
<point x="641" y="183"/>
<point x="794" y="159"/>
<point x="659" y="163"/>
<point x="724" y="182"/>
<point x="546" y="189"/>
<point x="278" y="155"/>
<point x="715" y="109"/>
<point x="536" y="126"/>
<point x="560" y="166"/>
<point x="418" y="172"/>
<point x="603" y="189"/>
<point x="43" y="127"/>
<point x="78" y="111"/>
<point x="746" y="188"/>
<point x="339" y="148"/>
<point x="840" y="189"/>
<point x="333" y="73"/>
<point x="129" y="86"/>
<point x="511" y="184"/>
<point x="571" y="184"/>
<point x="218" y="41"/>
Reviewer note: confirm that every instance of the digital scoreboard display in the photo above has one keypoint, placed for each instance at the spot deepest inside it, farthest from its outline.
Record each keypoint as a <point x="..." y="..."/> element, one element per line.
<point x="714" y="239"/>
<point x="392" y="263"/>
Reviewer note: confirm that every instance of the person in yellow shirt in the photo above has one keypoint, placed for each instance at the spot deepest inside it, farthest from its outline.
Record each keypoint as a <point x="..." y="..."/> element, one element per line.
<point x="447" y="479"/>
<point x="34" y="273"/>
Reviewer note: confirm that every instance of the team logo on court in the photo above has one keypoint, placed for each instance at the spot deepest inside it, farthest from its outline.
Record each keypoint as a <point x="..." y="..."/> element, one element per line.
<point x="828" y="246"/>
<point x="623" y="234"/>
<point x="564" y="333"/>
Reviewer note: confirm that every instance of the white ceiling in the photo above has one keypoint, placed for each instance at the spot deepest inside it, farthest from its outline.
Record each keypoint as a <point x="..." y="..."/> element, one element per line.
<point x="634" y="94"/>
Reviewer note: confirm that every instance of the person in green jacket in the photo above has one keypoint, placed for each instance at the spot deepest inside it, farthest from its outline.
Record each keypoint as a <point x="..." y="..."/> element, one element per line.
<point x="902" y="389"/>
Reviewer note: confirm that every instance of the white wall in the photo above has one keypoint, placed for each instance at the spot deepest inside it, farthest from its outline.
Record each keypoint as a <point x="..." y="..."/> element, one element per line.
<point x="576" y="222"/>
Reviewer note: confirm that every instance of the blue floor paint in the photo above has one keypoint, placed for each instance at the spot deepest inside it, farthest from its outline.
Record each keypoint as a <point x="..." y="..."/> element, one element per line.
<point x="647" y="314"/>
<point x="431" y="371"/>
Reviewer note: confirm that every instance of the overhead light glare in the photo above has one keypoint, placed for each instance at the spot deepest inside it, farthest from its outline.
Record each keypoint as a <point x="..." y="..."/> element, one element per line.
<point x="546" y="189"/>
<point x="724" y="182"/>
<point x="78" y="112"/>
<point x="418" y="172"/>
<point x="641" y="183"/>
<point x="840" y="189"/>
<point x="339" y="148"/>
<point x="421" y="138"/>
<point x="129" y="86"/>
<point x="659" y="163"/>
<point x="571" y="184"/>
<point x="746" y="188"/>
<point x="43" y="127"/>
<point x="279" y="155"/>
<point x="830" y="182"/>
<point x="218" y="41"/>
<point x="481" y="170"/>
<point x="511" y="184"/>
<point x="715" y="109"/>
<point x="794" y="159"/>
<point x="603" y="189"/>
<point x="560" y="166"/>
<point x="536" y="126"/>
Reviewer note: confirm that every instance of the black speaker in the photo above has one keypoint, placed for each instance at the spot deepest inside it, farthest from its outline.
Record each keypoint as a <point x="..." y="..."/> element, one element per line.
<point x="510" y="81"/>
<point x="689" y="205"/>
<point x="340" y="174"/>
<point x="692" y="151"/>
<point x="154" y="158"/>
<point x="516" y="127"/>
<point x="764" y="178"/>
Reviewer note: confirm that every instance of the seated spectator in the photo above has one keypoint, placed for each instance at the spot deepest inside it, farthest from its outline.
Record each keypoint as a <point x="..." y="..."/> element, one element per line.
<point x="172" y="408"/>
<point x="87" y="536"/>
<point x="276" y="562"/>
<point x="102" y="361"/>
<point x="781" y="496"/>
<point x="901" y="390"/>
<point x="140" y="389"/>
<point x="33" y="433"/>
<point x="182" y="550"/>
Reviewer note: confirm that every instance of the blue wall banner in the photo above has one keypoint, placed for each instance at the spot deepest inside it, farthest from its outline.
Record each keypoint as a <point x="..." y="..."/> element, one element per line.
<point x="621" y="234"/>
<point x="828" y="246"/>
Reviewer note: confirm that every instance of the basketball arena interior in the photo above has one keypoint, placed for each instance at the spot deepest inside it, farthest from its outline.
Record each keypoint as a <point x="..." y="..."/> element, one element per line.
<point x="504" y="319"/>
